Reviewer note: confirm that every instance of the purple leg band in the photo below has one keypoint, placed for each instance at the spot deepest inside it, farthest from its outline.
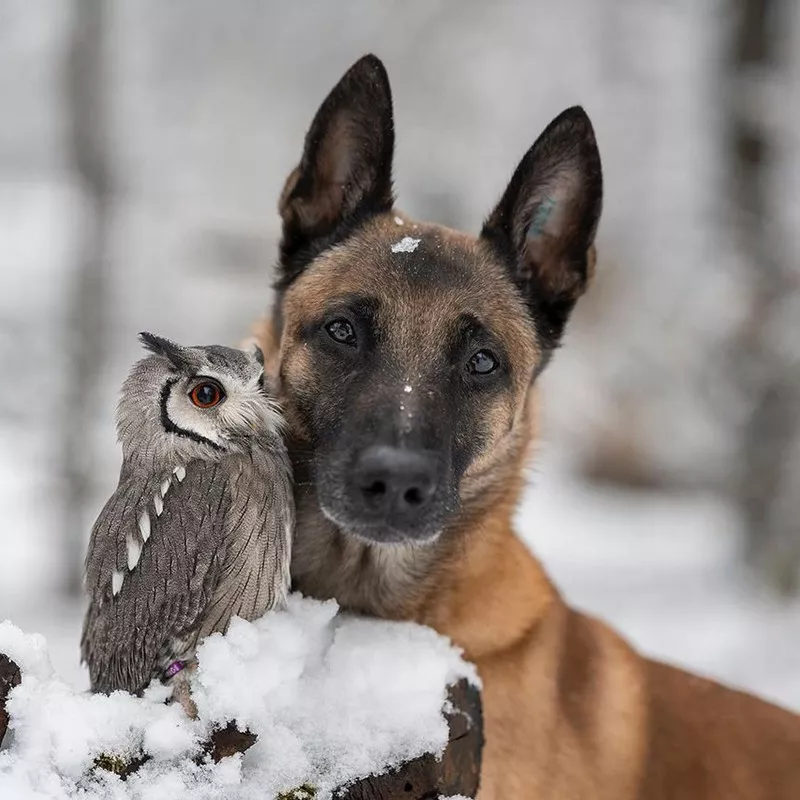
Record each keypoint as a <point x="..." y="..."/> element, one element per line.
<point x="174" y="668"/>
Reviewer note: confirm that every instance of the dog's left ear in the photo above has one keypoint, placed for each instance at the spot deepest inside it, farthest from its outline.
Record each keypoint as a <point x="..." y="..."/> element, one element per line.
<point x="345" y="173"/>
<point x="544" y="225"/>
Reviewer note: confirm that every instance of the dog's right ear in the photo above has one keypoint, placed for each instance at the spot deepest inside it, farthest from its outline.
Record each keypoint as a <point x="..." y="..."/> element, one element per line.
<point x="345" y="174"/>
<point x="545" y="223"/>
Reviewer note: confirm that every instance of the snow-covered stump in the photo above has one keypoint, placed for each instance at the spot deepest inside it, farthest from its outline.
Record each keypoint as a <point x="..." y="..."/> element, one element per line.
<point x="457" y="773"/>
<point x="9" y="678"/>
<point x="325" y="706"/>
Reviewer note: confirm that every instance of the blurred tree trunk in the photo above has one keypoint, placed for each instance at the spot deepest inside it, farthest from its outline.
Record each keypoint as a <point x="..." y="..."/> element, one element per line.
<point x="766" y="490"/>
<point x="85" y="319"/>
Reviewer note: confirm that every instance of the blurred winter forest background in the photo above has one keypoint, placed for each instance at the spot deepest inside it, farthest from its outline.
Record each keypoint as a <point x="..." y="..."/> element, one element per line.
<point x="143" y="146"/>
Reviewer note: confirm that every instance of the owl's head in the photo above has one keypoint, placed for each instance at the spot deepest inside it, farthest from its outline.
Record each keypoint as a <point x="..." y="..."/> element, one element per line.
<point x="195" y="402"/>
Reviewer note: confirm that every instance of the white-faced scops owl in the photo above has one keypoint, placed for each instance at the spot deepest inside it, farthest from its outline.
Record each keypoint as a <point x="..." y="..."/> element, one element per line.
<point x="199" y="528"/>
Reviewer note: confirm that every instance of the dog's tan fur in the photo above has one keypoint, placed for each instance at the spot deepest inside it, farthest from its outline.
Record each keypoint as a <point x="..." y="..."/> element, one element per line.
<point x="571" y="711"/>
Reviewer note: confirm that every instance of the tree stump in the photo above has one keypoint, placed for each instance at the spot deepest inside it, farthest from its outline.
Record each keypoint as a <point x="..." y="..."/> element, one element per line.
<point x="424" y="778"/>
<point x="9" y="678"/>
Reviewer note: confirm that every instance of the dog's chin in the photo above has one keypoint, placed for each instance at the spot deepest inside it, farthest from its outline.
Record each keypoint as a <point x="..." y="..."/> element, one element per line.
<point x="379" y="533"/>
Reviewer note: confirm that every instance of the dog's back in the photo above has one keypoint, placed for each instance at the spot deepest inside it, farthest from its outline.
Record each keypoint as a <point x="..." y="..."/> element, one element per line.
<point x="708" y="741"/>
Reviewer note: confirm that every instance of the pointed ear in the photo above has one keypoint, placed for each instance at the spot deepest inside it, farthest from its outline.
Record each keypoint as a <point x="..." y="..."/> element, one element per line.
<point x="545" y="223"/>
<point x="345" y="174"/>
<point x="176" y="354"/>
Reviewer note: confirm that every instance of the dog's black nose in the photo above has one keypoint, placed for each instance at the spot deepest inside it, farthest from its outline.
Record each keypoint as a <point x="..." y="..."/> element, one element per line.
<point x="395" y="483"/>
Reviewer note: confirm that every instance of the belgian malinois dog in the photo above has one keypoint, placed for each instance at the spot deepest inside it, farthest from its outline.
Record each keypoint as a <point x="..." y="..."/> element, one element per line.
<point x="406" y="357"/>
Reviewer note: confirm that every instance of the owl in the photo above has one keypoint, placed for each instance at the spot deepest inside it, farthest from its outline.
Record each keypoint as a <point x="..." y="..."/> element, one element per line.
<point x="200" y="526"/>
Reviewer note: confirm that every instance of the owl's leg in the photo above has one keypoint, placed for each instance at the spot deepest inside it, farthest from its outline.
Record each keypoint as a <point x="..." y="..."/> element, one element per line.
<point x="181" y="693"/>
<point x="181" y="688"/>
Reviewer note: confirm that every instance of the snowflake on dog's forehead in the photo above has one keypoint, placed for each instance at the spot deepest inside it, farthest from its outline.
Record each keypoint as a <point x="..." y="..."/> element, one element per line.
<point x="406" y="251"/>
<point x="408" y="244"/>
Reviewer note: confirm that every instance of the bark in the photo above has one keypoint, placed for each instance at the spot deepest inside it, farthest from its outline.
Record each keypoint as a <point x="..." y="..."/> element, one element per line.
<point x="9" y="678"/>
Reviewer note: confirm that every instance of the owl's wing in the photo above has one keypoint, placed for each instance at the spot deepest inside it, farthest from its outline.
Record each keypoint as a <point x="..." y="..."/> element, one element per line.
<point x="255" y="574"/>
<point x="154" y="557"/>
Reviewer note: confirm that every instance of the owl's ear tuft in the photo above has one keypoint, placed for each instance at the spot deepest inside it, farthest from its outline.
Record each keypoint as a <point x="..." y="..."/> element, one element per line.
<point x="172" y="351"/>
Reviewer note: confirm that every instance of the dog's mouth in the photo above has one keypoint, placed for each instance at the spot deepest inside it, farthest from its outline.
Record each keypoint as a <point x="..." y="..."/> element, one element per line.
<point x="380" y="533"/>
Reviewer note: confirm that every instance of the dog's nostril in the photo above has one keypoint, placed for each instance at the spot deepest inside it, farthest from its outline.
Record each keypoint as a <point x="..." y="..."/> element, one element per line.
<point x="413" y="496"/>
<point x="375" y="489"/>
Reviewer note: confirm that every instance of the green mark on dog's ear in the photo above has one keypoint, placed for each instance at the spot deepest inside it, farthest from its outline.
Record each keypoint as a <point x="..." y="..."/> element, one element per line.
<point x="541" y="215"/>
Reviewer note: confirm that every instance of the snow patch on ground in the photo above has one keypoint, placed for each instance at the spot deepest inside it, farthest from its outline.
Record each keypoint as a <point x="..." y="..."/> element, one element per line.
<point x="408" y="244"/>
<point x="331" y="698"/>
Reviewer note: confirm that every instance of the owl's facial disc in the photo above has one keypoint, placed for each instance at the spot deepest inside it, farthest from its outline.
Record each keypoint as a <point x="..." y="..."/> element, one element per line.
<point x="225" y="412"/>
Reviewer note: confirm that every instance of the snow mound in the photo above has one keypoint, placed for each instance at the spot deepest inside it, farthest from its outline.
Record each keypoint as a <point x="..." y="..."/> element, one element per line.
<point x="331" y="697"/>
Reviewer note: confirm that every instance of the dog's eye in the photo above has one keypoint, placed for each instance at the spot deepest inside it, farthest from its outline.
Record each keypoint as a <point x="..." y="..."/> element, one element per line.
<point x="341" y="331"/>
<point x="482" y="363"/>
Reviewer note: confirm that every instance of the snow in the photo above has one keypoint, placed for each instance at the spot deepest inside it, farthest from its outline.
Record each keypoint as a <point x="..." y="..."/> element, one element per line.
<point x="29" y="653"/>
<point x="408" y="244"/>
<point x="331" y="698"/>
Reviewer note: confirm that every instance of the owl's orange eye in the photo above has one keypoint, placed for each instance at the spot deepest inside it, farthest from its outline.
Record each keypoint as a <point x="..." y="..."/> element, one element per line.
<point x="207" y="394"/>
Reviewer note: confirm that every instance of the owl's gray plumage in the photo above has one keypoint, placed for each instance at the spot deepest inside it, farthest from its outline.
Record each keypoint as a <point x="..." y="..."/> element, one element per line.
<point x="199" y="528"/>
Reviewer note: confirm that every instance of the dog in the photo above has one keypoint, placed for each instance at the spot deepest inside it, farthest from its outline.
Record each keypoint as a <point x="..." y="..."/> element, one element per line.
<point x="406" y="358"/>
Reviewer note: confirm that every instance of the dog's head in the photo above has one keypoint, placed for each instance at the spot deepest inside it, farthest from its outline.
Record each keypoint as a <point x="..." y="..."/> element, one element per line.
<point x="407" y="350"/>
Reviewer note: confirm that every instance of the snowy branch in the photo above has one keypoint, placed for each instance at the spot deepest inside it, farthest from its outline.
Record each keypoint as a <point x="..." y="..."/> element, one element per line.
<point x="326" y="706"/>
<point x="457" y="772"/>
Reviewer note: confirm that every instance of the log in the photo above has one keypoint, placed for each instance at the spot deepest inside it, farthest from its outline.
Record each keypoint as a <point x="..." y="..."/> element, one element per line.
<point x="9" y="678"/>
<point x="228" y="741"/>
<point x="223" y="742"/>
<point x="424" y="778"/>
